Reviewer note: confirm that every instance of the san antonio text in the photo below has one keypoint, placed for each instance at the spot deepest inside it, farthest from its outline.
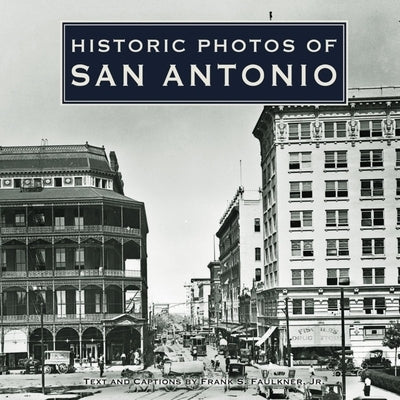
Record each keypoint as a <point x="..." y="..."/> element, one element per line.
<point x="207" y="75"/>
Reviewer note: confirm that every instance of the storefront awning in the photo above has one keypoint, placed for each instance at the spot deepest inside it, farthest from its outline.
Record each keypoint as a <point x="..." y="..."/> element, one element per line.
<point x="238" y="328"/>
<point x="266" y="335"/>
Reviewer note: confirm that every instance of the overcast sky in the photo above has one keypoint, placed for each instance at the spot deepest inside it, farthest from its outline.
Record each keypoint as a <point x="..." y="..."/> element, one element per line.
<point x="182" y="161"/>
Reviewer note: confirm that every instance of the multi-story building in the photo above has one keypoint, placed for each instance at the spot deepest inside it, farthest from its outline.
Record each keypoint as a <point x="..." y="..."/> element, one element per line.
<point x="199" y="294"/>
<point x="331" y="193"/>
<point x="72" y="246"/>
<point x="240" y="248"/>
<point x="214" y="298"/>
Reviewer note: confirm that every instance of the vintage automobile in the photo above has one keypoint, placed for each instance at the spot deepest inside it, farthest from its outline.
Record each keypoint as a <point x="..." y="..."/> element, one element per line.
<point x="327" y="391"/>
<point x="58" y="361"/>
<point x="245" y="356"/>
<point x="376" y="360"/>
<point x="233" y="350"/>
<point x="236" y="377"/>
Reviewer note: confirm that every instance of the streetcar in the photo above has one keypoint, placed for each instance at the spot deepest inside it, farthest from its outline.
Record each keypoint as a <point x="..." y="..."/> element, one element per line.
<point x="200" y="343"/>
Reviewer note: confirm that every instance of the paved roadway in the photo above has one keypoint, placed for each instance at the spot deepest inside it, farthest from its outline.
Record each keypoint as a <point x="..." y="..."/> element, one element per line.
<point x="122" y="390"/>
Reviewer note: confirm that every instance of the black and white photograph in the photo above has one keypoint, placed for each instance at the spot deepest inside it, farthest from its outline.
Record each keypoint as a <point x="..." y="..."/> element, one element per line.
<point x="211" y="247"/>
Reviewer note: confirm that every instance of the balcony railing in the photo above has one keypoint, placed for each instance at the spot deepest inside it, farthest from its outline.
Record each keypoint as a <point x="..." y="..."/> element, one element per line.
<point x="22" y="230"/>
<point x="71" y="272"/>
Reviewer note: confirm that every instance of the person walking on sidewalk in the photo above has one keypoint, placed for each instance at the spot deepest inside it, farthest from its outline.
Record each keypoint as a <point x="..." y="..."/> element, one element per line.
<point x="367" y="386"/>
<point x="101" y="365"/>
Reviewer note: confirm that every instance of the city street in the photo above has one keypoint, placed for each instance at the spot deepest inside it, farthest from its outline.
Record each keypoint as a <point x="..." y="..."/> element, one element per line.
<point x="86" y="383"/>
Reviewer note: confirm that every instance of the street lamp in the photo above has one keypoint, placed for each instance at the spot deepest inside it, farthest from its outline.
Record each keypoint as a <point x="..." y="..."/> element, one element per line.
<point x="37" y="291"/>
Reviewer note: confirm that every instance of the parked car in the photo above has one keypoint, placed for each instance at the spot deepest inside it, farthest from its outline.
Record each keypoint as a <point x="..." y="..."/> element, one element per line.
<point x="376" y="360"/>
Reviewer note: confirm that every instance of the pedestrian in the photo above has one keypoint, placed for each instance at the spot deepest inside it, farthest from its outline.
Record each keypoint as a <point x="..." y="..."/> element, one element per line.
<point x="312" y="370"/>
<point x="123" y="358"/>
<point x="367" y="386"/>
<point x="101" y="365"/>
<point x="194" y="353"/>
<point x="136" y="357"/>
<point x="227" y="362"/>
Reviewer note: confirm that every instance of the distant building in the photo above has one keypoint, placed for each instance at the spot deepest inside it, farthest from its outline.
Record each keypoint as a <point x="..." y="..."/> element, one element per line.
<point x="70" y="240"/>
<point x="199" y="294"/>
<point x="214" y="298"/>
<point x="331" y="190"/>
<point x="241" y="256"/>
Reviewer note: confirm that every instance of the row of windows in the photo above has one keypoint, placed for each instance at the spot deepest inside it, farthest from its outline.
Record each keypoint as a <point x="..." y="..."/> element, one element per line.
<point x="339" y="189"/>
<point x="301" y="161"/>
<point x="339" y="276"/>
<point x="339" y="129"/>
<point x="371" y="305"/>
<point x="340" y="247"/>
<point x="9" y="183"/>
<point x="370" y="217"/>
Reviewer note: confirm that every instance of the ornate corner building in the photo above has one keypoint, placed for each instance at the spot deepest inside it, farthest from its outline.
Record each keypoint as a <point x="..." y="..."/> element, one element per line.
<point x="331" y="190"/>
<point x="72" y="247"/>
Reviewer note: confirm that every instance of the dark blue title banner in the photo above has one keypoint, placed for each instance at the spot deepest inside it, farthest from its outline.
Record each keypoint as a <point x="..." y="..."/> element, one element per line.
<point x="266" y="63"/>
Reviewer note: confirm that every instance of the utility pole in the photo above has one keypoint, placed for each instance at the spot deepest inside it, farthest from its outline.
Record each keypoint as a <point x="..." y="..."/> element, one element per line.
<point x="42" y="342"/>
<point x="288" y="347"/>
<point x="343" y="343"/>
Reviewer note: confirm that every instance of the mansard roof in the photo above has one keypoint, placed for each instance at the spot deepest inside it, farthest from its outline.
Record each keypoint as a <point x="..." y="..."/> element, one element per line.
<point x="47" y="159"/>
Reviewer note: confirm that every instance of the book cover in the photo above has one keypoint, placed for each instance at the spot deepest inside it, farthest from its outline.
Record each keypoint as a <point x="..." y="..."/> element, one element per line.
<point x="199" y="199"/>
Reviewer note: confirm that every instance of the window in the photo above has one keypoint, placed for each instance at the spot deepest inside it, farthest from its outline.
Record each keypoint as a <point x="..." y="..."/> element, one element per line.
<point x="78" y="181"/>
<point x="302" y="277"/>
<point x="300" y="219"/>
<point x="336" y="189"/>
<point x="61" y="303"/>
<point x="374" y="332"/>
<point x="80" y="303"/>
<point x="371" y="158"/>
<point x="258" y="274"/>
<point x="373" y="247"/>
<point x="302" y="248"/>
<point x="398" y="216"/>
<point x="336" y="159"/>
<point x="372" y="187"/>
<point x="79" y="257"/>
<point x="337" y="218"/>
<point x="257" y="226"/>
<point x="39" y="219"/>
<point x="303" y="306"/>
<point x="337" y="247"/>
<point x="397" y="158"/>
<point x="57" y="181"/>
<point x="20" y="219"/>
<point x="372" y="217"/>
<point x="300" y="190"/>
<point x="373" y="275"/>
<point x="257" y="254"/>
<point x="17" y="183"/>
<point x="334" y="304"/>
<point x="397" y="187"/>
<point x="338" y="276"/>
<point x="60" y="258"/>
<point x="20" y="259"/>
<point x="78" y="222"/>
<point x="299" y="131"/>
<point x="371" y="128"/>
<point x="374" y="305"/>
<point x="59" y="223"/>
<point x="40" y="258"/>
<point x="300" y="161"/>
<point x="335" y="130"/>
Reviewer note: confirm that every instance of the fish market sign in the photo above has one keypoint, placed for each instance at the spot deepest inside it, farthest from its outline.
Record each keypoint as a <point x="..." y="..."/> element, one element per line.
<point x="204" y="63"/>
